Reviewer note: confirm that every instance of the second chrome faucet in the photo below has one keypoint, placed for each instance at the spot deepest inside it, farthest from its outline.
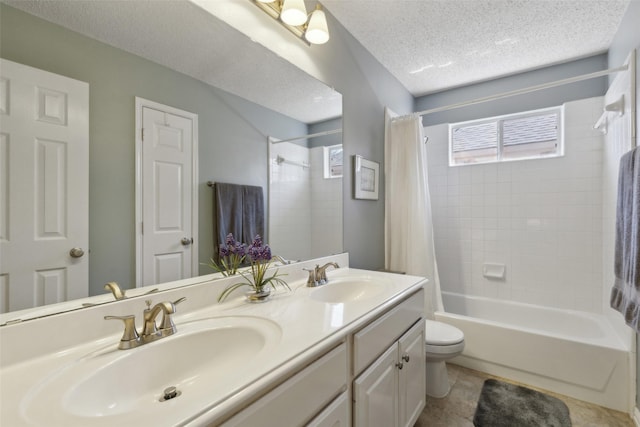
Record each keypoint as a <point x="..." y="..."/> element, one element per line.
<point x="318" y="275"/>
<point x="150" y="331"/>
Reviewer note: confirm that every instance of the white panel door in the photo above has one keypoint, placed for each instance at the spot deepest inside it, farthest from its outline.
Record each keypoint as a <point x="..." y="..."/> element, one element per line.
<point x="376" y="392"/>
<point x="413" y="387"/>
<point x="168" y="196"/>
<point x="44" y="187"/>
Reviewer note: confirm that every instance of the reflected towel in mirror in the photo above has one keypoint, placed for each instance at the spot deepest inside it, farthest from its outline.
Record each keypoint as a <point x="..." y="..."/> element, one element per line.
<point x="238" y="209"/>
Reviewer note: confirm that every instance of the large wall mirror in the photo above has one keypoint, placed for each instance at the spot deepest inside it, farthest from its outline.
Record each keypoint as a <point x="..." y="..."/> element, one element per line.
<point x="176" y="54"/>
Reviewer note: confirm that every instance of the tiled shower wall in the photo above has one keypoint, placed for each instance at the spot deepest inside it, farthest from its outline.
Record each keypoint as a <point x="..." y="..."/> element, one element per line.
<point x="289" y="202"/>
<point x="305" y="209"/>
<point x="326" y="209"/>
<point x="541" y="218"/>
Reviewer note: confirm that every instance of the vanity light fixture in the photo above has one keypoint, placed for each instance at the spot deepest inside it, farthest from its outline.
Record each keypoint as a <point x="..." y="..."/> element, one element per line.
<point x="292" y="14"/>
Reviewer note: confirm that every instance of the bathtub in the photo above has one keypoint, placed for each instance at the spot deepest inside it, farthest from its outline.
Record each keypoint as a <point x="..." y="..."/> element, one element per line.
<point x="574" y="353"/>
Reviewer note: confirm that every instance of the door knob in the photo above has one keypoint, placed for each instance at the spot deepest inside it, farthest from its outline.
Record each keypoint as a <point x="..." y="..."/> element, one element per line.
<point x="76" y="252"/>
<point x="406" y="358"/>
<point x="186" y="241"/>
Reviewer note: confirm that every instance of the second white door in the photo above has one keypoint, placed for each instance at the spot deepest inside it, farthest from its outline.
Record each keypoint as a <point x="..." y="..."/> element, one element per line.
<point x="167" y="199"/>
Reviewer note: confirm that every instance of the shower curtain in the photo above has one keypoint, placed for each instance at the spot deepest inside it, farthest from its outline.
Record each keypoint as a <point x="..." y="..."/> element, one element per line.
<point x="409" y="245"/>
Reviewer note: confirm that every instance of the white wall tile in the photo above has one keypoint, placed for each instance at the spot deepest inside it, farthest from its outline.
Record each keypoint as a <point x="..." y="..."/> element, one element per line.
<point x="542" y="218"/>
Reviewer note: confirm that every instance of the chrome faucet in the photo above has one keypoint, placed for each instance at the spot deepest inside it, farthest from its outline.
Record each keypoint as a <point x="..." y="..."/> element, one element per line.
<point x="281" y="260"/>
<point x="119" y="294"/>
<point x="150" y="331"/>
<point x="318" y="275"/>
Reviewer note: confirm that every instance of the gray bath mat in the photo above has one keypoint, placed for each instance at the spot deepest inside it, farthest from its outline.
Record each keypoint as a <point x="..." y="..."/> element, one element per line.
<point x="508" y="405"/>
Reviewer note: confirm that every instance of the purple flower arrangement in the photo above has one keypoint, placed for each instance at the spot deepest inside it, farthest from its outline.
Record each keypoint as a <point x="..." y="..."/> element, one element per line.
<point x="232" y="255"/>
<point x="259" y="257"/>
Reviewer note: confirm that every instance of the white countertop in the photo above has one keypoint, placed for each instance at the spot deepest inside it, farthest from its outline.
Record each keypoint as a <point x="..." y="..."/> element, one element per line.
<point x="306" y="327"/>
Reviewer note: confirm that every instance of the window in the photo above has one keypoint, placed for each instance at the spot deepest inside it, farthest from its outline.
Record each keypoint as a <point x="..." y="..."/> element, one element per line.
<point x="333" y="161"/>
<point x="530" y="135"/>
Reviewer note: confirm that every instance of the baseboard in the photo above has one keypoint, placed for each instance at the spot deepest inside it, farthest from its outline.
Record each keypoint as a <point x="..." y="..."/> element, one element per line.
<point x="636" y="416"/>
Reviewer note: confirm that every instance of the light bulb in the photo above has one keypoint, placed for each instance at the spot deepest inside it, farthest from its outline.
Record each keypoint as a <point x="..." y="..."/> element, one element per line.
<point x="293" y="13"/>
<point x="317" y="31"/>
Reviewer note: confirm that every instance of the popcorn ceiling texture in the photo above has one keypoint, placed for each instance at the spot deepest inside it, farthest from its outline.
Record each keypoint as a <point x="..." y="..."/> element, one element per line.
<point x="185" y="38"/>
<point x="433" y="45"/>
<point x="427" y="45"/>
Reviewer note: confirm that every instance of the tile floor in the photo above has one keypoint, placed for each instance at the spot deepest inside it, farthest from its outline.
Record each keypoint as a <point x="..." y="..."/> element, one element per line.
<point x="457" y="409"/>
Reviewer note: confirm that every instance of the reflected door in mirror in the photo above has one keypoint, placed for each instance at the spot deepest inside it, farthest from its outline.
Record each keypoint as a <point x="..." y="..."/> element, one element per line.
<point x="44" y="187"/>
<point x="168" y="197"/>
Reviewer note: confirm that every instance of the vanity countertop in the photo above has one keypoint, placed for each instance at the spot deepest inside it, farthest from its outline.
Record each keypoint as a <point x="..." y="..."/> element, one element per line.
<point x="301" y="328"/>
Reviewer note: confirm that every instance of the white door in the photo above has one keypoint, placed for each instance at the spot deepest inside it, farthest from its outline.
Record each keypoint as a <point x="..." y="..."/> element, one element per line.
<point x="167" y="193"/>
<point x="44" y="187"/>
<point x="413" y="386"/>
<point x="376" y="392"/>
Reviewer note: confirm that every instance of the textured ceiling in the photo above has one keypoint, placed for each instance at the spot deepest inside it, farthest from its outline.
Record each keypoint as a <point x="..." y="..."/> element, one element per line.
<point x="428" y="45"/>
<point x="182" y="36"/>
<point x="431" y="45"/>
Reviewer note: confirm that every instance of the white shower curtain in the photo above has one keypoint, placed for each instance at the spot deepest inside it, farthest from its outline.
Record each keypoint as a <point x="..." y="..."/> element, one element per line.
<point x="409" y="245"/>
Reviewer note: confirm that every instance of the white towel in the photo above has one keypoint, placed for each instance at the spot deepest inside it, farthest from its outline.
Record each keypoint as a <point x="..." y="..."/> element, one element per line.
<point x="625" y="295"/>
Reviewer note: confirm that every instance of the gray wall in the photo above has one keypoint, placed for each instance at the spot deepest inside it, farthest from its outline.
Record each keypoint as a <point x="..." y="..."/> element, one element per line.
<point x="526" y="102"/>
<point x="366" y="89"/>
<point x="628" y="38"/>
<point x="230" y="127"/>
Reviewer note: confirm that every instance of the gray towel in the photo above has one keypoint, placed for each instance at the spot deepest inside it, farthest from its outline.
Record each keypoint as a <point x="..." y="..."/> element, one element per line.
<point x="625" y="295"/>
<point x="252" y="213"/>
<point x="238" y="209"/>
<point x="227" y="205"/>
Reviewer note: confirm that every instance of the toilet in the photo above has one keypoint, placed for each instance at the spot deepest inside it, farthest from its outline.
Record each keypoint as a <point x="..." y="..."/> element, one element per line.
<point x="443" y="342"/>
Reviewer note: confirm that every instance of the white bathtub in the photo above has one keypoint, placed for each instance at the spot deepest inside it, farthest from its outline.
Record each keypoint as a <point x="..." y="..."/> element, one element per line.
<point x="573" y="353"/>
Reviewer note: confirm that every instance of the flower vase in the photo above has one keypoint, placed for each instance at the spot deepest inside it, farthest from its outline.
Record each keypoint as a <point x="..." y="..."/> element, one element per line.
<point x="254" y="296"/>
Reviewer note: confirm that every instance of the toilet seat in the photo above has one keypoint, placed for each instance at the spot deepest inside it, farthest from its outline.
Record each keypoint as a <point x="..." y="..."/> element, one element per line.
<point x="442" y="334"/>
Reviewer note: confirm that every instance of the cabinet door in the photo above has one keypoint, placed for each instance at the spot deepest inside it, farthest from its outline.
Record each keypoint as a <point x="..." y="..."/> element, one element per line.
<point x="335" y="415"/>
<point x="412" y="387"/>
<point x="376" y="392"/>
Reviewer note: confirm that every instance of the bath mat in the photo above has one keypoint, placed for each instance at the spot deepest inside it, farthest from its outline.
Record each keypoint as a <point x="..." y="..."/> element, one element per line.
<point x="508" y="405"/>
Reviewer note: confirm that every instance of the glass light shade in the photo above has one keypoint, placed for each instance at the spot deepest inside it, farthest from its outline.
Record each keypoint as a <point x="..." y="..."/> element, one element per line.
<point x="317" y="31"/>
<point x="294" y="12"/>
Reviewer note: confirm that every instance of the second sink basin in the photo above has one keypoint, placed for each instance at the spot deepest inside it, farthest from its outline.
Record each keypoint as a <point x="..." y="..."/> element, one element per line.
<point x="108" y="383"/>
<point x="349" y="289"/>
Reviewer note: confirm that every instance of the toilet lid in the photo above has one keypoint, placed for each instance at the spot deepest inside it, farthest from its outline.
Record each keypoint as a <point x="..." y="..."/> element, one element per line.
<point x="438" y="333"/>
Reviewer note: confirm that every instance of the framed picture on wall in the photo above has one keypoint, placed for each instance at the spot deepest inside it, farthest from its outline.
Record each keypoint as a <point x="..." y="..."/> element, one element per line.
<point x="366" y="174"/>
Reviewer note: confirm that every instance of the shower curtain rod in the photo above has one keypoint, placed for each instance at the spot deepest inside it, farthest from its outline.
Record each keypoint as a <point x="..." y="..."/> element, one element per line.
<point x="523" y="91"/>
<point x="311" y="135"/>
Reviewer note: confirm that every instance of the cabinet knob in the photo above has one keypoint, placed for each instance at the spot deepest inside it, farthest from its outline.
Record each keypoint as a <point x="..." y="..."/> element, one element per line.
<point x="405" y="358"/>
<point x="399" y="365"/>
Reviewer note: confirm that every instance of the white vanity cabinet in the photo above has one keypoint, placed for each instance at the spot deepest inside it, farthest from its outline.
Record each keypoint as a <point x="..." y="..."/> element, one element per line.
<point x="391" y="391"/>
<point x="301" y="397"/>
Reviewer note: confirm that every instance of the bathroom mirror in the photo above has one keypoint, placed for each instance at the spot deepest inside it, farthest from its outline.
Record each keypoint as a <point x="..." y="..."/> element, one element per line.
<point x="241" y="91"/>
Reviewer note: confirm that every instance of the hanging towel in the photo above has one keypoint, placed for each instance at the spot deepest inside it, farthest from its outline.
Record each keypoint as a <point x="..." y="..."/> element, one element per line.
<point x="252" y="213"/>
<point x="227" y="213"/>
<point x="625" y="295"/>
<point x="238" y="209"/>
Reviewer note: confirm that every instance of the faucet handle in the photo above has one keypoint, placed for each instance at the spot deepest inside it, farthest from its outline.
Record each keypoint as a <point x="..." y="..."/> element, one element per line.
<point x="167" y="326"/>
<point x="130" y="337"/>
<point x="311" y="281"/>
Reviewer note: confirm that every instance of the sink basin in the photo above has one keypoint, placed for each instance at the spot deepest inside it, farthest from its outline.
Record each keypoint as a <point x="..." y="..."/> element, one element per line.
<point x="349" y="289"/>
<point x="205" y="354"/>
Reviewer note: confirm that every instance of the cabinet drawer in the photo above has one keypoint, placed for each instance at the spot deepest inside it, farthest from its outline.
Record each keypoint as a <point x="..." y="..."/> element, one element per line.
<point x="335" y="415"/>
<point x="375" y="338"/>
<point x="296" y="400"/>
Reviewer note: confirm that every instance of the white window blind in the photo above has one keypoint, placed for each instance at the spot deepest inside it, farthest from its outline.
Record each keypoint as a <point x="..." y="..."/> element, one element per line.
<point x="529" y="135"/>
